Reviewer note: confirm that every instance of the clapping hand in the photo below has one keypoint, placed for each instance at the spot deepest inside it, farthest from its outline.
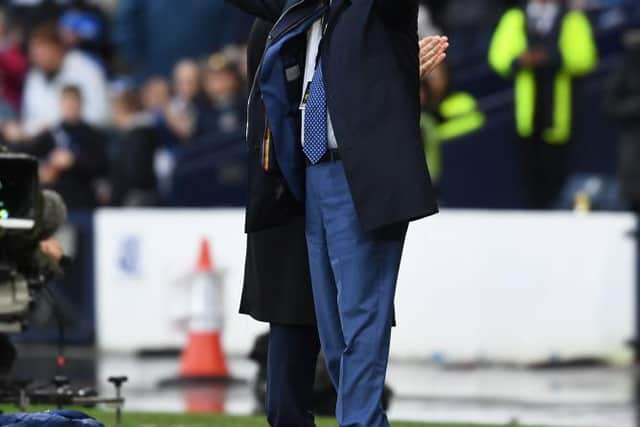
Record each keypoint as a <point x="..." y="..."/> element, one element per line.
<point x="533" y="58"/>
<point x="61" y="159"/>
<point x="433" y="51"/>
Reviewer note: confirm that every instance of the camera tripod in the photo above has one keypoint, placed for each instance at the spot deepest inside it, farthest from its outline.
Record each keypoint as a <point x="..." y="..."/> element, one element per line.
<point x="60" y="393"/>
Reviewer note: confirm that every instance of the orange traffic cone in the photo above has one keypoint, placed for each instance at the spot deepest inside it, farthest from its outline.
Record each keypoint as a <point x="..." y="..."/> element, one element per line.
<point x="204" y="357"/>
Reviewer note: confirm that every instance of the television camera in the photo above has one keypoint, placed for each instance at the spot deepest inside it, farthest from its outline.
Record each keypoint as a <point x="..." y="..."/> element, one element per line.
<point x="29" y="216"/>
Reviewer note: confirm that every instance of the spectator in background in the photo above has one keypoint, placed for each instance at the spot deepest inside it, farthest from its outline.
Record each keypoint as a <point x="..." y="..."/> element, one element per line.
<point x="181" y="116"/>
<point x="53" y="68"/>
<point x="27" y="15"/>
<point x="13" y="65"/>
<point x="224" y="110"/>
<point x="156" y="98"/>
<point x="133" y="178"/>
<point x="156" y="95"/>
<point x="187" y="82"/>
<point x="177" y="123"/>
<point x="543" y="47"/>
<point x="153" y="35"/>
<point x="85" y="27"/>
<point x="468" y="23"/>
<point x="623" y="106"/>
<point x="72" y="154"/>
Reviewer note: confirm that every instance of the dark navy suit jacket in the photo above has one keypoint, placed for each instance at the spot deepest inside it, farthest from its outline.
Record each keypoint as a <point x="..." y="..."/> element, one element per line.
<point x="371" y="67"/>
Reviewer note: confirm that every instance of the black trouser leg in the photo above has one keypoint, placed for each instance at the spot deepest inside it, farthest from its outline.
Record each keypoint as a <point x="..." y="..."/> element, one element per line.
<point x="291" y="368"/>
<point x="545" y="168"/>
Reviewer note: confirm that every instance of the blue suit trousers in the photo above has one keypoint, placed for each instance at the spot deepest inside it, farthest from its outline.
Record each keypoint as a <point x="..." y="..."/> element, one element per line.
<point x="354" y="276"/>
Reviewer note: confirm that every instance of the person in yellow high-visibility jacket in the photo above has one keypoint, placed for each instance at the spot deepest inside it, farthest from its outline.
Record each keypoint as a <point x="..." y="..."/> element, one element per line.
<point x="543" y="47"/>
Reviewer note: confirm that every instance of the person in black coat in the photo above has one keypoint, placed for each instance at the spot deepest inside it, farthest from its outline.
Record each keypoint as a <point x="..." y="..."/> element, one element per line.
<point x="72" y="154"/>
<point x="222" y="112"/>
<point x="277" y="288"/>
<point x="133" y="178"/>
<point x="623" y="106"/>
<point x="379" y="146"/>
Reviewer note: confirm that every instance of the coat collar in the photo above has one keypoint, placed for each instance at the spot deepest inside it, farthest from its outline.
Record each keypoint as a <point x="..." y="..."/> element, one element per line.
<point x="335" y="8"/>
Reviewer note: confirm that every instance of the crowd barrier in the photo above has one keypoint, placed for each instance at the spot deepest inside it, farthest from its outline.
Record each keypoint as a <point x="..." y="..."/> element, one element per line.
<point x="473" y="284"/>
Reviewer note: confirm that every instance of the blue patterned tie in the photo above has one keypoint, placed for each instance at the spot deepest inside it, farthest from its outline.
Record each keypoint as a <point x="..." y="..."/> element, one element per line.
<point x="315" y="120"/>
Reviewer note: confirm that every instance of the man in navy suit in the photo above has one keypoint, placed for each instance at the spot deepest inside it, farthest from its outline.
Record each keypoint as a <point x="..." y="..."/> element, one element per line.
<point x="338" y="87"/>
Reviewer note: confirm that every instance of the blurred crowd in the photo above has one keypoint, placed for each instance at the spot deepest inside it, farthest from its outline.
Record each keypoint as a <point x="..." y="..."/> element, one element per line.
<point x="107" y="98"/>
<point x="121" y="100"/>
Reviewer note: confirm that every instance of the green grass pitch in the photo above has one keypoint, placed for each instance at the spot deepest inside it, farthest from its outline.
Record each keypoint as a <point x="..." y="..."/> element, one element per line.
<point x="184" y="420"/>
<point x="136" y="419"/>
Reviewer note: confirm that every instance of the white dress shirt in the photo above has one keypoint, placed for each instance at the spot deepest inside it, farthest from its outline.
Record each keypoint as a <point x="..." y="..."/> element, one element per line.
<point x="314" y="37"/>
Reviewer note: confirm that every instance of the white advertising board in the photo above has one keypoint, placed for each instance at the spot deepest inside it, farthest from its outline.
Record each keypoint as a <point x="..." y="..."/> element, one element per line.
<point x="145" y="262"/>
<point x="499" y="285"/>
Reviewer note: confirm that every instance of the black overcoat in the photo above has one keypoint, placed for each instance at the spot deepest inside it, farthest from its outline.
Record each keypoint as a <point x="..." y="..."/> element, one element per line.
<point x="371" y="67"/>
<point x="277" y="283"/>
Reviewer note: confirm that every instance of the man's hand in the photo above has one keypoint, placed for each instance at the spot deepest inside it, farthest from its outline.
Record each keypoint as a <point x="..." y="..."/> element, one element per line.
<point x="433" y="51"/>
<point x="61" y="159"/>
<point x="53" y="249"/>
<point x="48" y="174"/>
<point x="533" y="58"/>
<point x="12" y="132"/>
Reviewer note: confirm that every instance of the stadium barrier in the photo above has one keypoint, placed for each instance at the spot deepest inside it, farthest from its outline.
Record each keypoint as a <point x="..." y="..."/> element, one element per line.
<point x="511" y="286"/>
